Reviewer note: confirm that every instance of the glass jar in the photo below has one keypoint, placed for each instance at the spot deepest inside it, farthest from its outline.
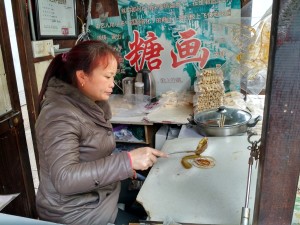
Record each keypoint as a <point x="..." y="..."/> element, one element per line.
<point x="139" y="91"/>
<point x="128" y="87"/>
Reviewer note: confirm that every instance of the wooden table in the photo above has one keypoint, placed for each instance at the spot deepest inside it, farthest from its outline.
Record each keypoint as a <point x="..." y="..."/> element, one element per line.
<point x="201" y="196"/>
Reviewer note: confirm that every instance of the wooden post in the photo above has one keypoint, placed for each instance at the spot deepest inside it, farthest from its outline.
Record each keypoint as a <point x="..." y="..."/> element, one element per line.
<point x="280" y="153"/>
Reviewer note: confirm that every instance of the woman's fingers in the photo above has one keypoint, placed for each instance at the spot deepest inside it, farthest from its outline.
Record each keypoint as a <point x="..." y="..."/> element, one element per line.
<point x="159" y="153"/>
<point x="143" y="158"/>
<point x="153" y="158"/>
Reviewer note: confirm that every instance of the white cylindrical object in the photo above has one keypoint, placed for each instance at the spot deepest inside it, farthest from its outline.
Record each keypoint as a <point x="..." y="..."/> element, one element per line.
<point x="139" y="88"/>
<point x="139" y="91"/>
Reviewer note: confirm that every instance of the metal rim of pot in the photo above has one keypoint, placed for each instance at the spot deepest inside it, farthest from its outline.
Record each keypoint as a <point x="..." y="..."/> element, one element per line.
<point x="236" y="121"/>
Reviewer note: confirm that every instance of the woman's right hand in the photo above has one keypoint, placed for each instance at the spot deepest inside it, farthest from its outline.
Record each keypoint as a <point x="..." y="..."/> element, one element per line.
<point x="145" y="157"/>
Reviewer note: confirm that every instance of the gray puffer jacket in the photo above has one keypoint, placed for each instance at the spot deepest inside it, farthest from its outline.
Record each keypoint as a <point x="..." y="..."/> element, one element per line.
<point x="79" y="175"/>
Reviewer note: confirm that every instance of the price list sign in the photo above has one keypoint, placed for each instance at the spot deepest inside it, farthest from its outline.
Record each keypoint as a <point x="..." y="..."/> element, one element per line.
<point x="56" y="19"/>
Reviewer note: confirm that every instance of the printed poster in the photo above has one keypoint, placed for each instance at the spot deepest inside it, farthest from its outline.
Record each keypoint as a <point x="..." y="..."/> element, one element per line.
<point x="175" y="40"/>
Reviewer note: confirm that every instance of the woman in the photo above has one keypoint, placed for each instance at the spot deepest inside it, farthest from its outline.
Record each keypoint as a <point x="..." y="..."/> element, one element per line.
<point x="79" y="175"/>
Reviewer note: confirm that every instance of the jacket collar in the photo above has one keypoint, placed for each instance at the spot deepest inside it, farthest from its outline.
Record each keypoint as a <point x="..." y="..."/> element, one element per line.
<point x="96" y="110"/>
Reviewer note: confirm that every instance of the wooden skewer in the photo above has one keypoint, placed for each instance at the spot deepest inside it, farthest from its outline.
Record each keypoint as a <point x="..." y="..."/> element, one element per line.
<point x="222" y="120"/>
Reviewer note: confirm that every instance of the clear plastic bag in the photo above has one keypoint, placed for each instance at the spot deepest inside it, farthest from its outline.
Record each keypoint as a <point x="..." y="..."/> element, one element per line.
<point x="129" y="105"/>
<point x="254" y="60"/>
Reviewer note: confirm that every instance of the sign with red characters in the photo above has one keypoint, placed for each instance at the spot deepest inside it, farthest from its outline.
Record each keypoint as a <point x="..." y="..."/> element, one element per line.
<point x="174" y="40"/>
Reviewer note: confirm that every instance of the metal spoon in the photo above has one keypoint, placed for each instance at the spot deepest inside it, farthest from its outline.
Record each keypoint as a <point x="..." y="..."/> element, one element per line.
<point x="202" y="145"/>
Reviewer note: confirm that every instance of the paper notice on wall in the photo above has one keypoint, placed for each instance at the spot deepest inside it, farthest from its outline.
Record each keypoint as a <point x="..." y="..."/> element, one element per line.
<point x="6" y="199"/>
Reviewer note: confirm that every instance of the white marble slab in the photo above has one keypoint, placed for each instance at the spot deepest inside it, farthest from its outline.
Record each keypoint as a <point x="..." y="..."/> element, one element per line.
<point x="203" y="196"/>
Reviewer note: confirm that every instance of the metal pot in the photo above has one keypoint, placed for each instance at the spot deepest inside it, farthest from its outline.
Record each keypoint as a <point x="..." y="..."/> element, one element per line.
<point x="223" y="122"/>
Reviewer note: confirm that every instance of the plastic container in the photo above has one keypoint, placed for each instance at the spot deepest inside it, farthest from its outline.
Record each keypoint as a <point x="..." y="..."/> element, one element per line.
<point x="139" y="91"/>
<point x="139" y="88"/>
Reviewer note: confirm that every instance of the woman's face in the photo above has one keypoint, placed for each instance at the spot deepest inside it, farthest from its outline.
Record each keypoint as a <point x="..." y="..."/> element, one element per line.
<point x="98" y="85"/>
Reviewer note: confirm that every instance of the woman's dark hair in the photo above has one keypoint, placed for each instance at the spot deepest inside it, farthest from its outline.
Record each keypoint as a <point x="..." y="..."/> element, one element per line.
<point x="84" y="56"/>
